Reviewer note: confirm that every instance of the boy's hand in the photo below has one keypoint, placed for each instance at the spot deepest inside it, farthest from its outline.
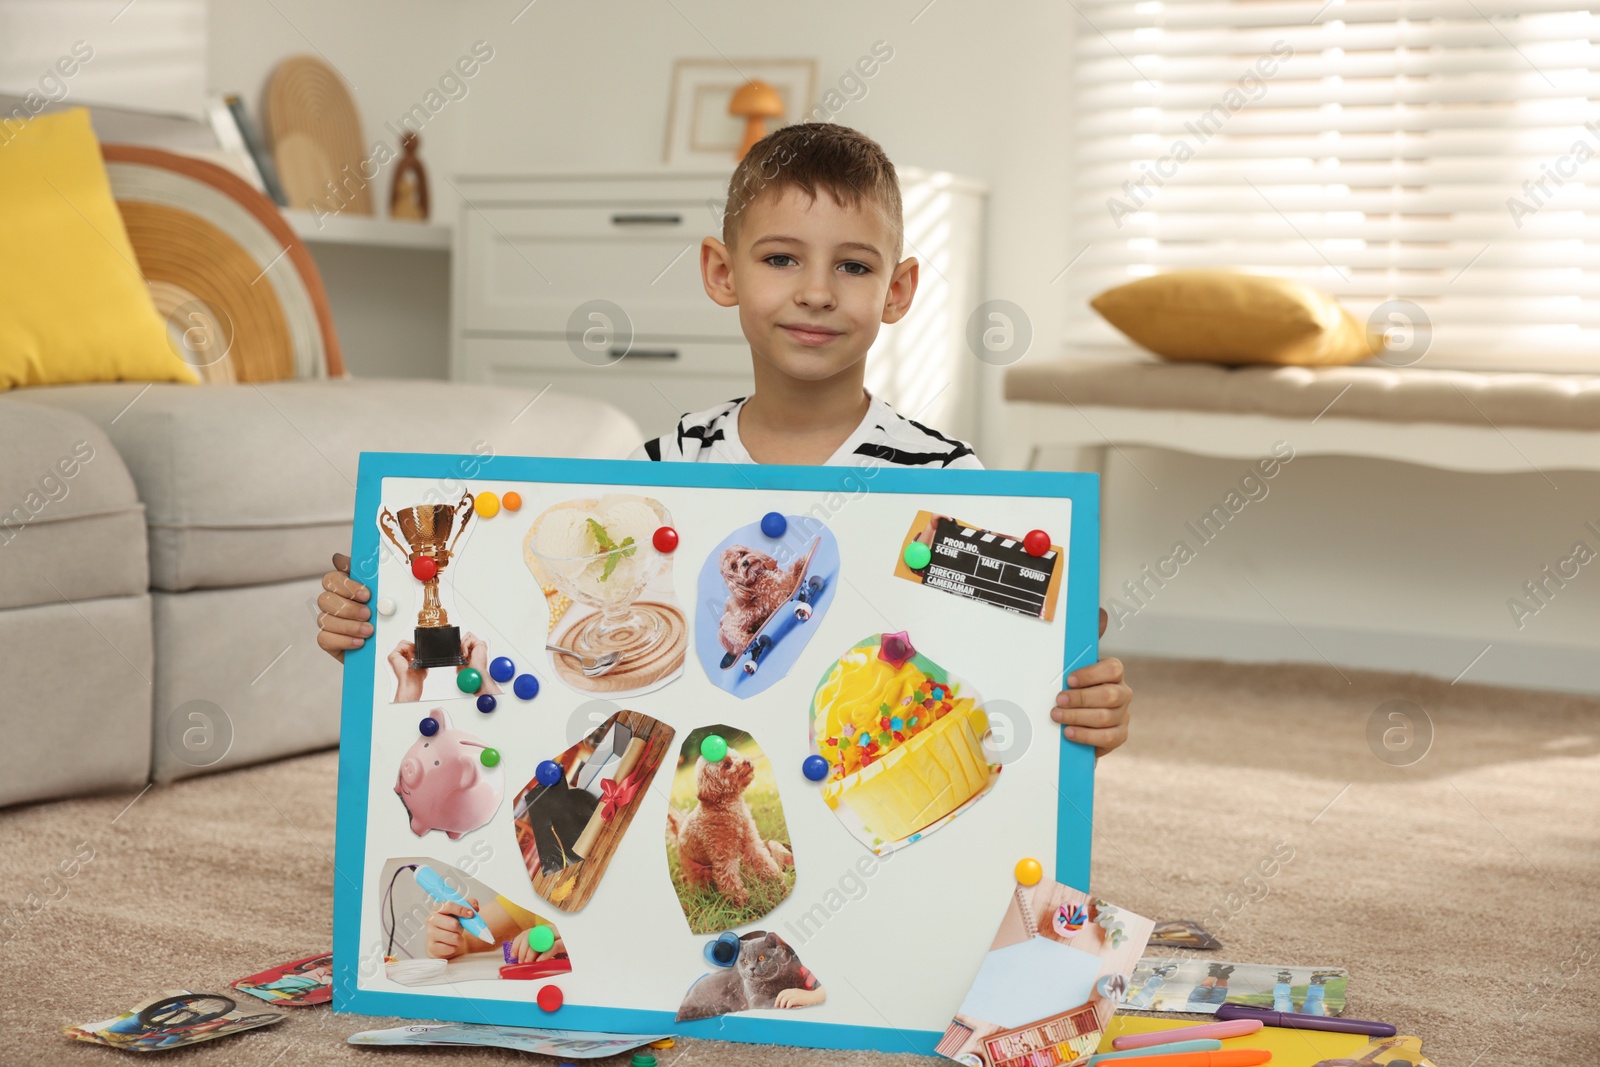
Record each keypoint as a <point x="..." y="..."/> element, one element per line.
<point x="1094" y="706"/>
<point x="408" y="682"/>
<point x="342" y="621"/>
<point x="476" y="651"/>
<point x="446" y="937"/>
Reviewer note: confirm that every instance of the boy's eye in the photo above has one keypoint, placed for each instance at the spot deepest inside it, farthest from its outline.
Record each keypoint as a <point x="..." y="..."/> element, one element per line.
<point x="864" y="268"/>
<point x="779" y="255"/>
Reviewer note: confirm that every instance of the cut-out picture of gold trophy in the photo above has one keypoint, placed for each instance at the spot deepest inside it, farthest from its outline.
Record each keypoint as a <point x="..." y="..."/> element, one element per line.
<point x="429" y="548"/>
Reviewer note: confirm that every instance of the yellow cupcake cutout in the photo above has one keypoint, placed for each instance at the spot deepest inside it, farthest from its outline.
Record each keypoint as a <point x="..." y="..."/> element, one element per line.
<point x="903" y="739"/>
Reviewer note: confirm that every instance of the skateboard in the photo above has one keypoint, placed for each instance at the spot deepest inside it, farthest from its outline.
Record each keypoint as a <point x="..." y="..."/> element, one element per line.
<point x="793" y="611"/>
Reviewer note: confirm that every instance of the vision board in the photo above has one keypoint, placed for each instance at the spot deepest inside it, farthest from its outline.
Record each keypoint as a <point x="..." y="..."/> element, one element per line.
<point x="742" y="752"/>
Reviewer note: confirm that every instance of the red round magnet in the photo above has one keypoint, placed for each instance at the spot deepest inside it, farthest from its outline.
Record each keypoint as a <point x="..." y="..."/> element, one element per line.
<point x="665" y="540"/>
<point x="549" y="998"/>
<point x="1037" y="543"/>
<point x="424" y="567"/>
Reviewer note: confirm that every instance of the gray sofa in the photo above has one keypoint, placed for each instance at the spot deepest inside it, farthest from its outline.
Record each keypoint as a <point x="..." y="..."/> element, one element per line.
<point x="160" y="554"/>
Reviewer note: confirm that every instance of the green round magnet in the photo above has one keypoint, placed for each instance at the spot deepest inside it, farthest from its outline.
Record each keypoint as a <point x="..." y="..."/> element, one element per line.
<point x="541" y="938"/>
<point x="489" y="757"/>
<point x="468" y="680"/>
<point x="917" y="555"/>
<point x="713" y="748"/>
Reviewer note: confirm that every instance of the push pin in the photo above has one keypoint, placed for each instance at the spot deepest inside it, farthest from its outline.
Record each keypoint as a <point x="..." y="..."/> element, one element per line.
<point x="429" y="727"/>
<point x="489" y="757"/>
<point x="815" y="768"/>
<point x="723" y="951"/>
<point x="468" y="680"/>
<point x="486" y="703"/>
<point x="773" y="524"/>
<point x="665" y="539"/>
<point x="917" y="555"/>
<point x="424" y="568"/>
<point x="1036" y="543"/>
<point x="526" y="686"/>
<point x="1029" y="871"/>
<point x="386" y="606"/>
<point x="486" y="504"/>
<point x="713" y="748"/>
<point x="542" y="938"/>
<point x="501" y="669"/>
<point x="550" y="997"/>
<point x="547" y="774"/>
<point x="511" y="501"/>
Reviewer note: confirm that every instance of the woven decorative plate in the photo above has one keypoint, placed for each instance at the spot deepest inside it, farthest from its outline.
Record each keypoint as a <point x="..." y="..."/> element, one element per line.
<point x="316" y="137"/>
<point x="238" y="288"/>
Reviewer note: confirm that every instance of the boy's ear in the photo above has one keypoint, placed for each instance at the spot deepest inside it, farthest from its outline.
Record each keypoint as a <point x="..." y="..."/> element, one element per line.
<point x="902" y="287"/>
<point x="716" y="272"/>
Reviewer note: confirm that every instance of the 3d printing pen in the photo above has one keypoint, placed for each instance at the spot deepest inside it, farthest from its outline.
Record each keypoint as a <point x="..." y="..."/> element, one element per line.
<point x="1305" y="1022"/>
<point x="429" y="881"/>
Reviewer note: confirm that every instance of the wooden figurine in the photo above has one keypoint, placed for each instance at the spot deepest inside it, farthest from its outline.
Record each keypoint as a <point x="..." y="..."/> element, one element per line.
<point x="408" y="195"/>
<point x="755" y="101"/>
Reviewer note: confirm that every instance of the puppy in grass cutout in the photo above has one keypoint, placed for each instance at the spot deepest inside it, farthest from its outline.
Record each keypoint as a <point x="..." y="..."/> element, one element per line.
<point x="766" y="974"/>
<point x="727" y="840"/>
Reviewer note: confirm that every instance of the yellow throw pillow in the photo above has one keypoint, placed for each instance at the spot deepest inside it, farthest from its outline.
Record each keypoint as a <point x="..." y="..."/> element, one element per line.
<point x="1225" y="317"/>
<point x="73" y="305"/>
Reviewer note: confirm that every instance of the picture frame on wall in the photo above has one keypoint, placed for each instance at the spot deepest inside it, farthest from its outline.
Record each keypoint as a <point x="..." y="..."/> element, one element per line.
<point x="700" y="132"/>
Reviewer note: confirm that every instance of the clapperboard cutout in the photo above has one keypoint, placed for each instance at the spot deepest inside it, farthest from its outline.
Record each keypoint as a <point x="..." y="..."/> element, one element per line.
<point x="969" y="561"/>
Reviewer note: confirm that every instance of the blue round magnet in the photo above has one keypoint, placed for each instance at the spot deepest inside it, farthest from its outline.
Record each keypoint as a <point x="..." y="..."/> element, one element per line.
<point x="548" y="772"/>
<point x="486" y="703"/>
<point x="815" y="768"/>
<point x="773" y="524"/>
<point x="501" y="669"/>
<point x="428" y="726"/>
<point x="526" y="686"/>
<point x="724" y="951"/>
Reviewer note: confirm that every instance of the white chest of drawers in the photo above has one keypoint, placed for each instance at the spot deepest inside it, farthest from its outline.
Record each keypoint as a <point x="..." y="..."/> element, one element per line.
<point x="533" y="252"/>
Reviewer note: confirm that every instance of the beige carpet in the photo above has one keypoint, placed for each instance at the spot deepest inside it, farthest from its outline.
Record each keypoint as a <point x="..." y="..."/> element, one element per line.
<point x="1461" y="892"/>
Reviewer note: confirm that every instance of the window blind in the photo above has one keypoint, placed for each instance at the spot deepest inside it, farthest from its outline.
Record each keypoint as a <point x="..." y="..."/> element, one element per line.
<point x="1429" y="162"/>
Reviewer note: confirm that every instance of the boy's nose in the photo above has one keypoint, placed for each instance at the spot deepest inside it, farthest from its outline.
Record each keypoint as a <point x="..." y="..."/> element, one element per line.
<point x="816" y="290"/>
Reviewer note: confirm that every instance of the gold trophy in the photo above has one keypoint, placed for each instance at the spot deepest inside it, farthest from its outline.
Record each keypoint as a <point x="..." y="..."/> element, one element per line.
<point x="426" y="528"/>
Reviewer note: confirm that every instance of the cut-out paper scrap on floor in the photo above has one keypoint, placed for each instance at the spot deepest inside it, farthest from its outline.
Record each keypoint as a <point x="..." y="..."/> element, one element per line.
<point x="563" y="1044"/>
<point x="728" y="849"/>
<point x="569" y="831"/>
<point x="977" y="564"/>
<point x="172" y="1019"/>
<point x="903" y="739"/>
<point x="760" y="599"/>
<point x="295" y="984"/>
<point x="1198" y="985"/>
<point x="426" y="662"/>
<point x="615" y="624"/>
<point x="446" y="783"/>
<point x="767" y="974"/>
<point x="1182" y="933"/>
<point x="1037" y="996"/>
<point x="441" y="925"/>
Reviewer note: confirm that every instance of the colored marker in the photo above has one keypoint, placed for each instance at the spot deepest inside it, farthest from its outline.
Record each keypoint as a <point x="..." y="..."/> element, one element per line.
<point x="1200" y="1045"/>
<point x="1292" y="1021"/>
<point x="1237" y="1057"/>
<point x="429" y="882"/>
<point x="1237" y="1028"/>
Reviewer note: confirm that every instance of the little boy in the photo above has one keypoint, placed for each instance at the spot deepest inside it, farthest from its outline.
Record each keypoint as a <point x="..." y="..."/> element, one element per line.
<point x="810" y="255"/>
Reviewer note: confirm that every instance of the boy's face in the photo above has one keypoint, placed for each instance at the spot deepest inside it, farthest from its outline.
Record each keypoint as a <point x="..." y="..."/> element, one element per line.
<point x="812" y="280"/>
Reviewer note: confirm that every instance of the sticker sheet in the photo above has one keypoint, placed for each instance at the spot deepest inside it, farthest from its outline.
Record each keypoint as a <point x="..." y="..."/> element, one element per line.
<point x="1204" y="985"/>
<point x="549" y="816"/>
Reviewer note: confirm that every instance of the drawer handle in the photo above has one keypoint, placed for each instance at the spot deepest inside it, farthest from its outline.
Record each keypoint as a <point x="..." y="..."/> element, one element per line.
<point x="644" y="353"/>
<point x="646" y="220"/>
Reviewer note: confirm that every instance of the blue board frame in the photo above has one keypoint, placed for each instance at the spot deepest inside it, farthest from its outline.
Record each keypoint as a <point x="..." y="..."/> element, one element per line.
<point x="1074" y="816"/>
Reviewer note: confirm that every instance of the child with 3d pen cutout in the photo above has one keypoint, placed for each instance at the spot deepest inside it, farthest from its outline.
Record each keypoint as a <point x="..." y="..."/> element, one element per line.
<point x="811" y="256"/>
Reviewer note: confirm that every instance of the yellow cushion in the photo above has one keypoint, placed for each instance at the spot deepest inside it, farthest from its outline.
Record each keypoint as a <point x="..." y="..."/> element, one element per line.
<point x="1225" y="317"/>
<point x="73" y="304"/>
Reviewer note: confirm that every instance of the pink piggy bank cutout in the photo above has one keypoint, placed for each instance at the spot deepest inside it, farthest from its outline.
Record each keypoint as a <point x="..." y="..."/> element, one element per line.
<point x="444" y="784"/>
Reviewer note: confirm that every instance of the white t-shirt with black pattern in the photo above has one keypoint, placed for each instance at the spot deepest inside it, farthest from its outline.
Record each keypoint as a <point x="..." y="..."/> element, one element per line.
<point x="885" y="438"/>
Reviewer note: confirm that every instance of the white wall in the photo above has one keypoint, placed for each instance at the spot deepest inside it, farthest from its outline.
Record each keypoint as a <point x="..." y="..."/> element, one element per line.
<point x="1373" y="563"/>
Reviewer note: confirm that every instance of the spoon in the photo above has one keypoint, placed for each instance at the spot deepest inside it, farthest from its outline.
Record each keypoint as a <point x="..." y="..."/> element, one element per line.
<point x="592" y="668"/>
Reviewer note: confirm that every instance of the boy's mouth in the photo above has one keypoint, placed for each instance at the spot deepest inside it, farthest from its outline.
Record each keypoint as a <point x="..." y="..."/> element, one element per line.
<point x="807" y="334"/>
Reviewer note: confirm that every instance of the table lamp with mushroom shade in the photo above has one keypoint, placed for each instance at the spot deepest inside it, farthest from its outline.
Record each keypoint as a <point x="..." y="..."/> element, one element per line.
<point x="755" y="101"/>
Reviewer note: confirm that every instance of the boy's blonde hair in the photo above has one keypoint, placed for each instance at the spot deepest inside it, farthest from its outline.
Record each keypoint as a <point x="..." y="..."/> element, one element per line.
<point x="851" y="166"/>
